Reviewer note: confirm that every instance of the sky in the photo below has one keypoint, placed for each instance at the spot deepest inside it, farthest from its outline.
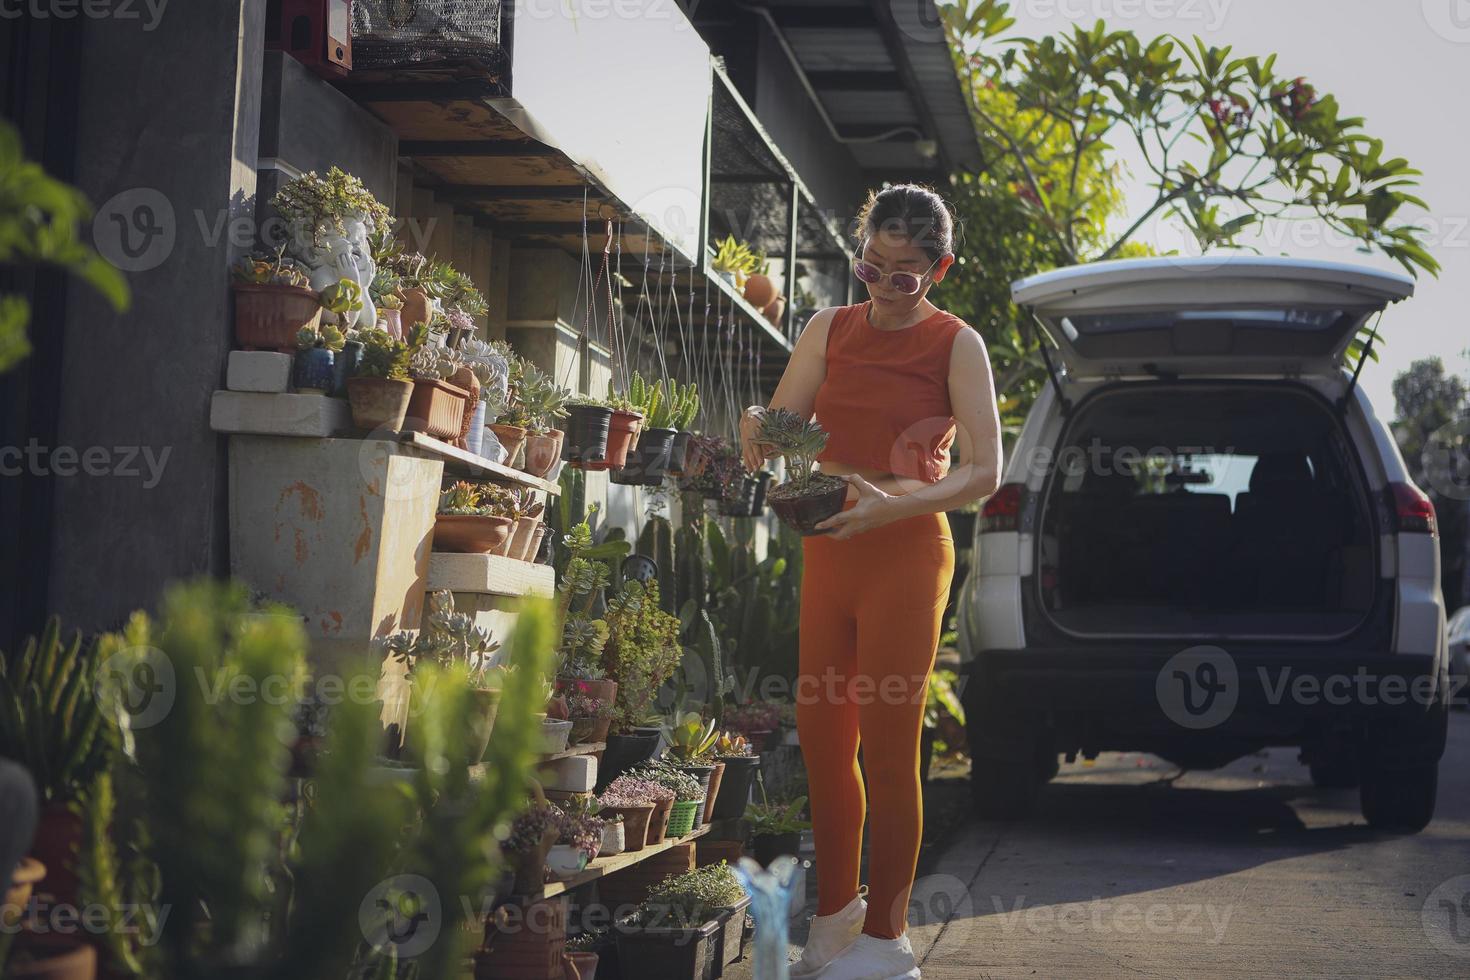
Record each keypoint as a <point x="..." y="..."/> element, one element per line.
<point x="1401" y="65"/>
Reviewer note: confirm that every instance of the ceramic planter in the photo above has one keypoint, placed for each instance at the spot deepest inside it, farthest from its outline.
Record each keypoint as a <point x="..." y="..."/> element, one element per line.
<point x="635" y="824"/>
<point x="759" y="291"/>
<point x="614" y="840"/>
<point x="658" y="821"/>
<point x="312" y="371"/>
<point x="345" y="363"/>
<point x="379" y="403"/>
<point x="588" y="428"/>
<point x="58" y="836"/>
<point x="768" y="847"/>
<point x="621" y="429"/>
<point x="604" y="688"/>
<point x="590" y="729"/>
<point x="734" y="788"/>
<point x="436" y="408"/>
<point x="624" y="752"/>
<point x="541" y="548"/>
<point x="678" y="449"/>
<point x="564" y="860"/>
<point x="554" y="734"/>
<point x="681" y="817"/>
<point x="511" y="437"/>
<point x="269" y="316"/>
<point x="543" y="449"/>
<point x="803" y="514"/>
<point x="470" y="534"/>
<point x="648" y="463"/>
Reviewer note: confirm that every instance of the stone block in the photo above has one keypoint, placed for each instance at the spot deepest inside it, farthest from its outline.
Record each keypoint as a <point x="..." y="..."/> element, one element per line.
<point x="257" y="413"/>
<point x="258" y="370"/>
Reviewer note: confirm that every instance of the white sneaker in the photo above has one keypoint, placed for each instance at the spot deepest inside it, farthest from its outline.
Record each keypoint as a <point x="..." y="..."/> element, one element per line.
<point x="830" y="935"/>
<point x="871" y="958"/>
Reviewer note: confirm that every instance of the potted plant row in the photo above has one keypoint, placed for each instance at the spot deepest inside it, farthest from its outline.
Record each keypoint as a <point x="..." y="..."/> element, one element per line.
<point x="664" y="409"/>
<point x="688" y="794"/>
<point x="689" y="925"/>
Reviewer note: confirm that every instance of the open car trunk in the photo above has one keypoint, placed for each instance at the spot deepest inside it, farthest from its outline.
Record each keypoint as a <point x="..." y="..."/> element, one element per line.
<point x="1200" y="509"/>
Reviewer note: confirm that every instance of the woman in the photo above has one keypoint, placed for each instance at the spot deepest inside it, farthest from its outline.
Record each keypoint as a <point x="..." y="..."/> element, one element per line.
<point x="895" y="382"/>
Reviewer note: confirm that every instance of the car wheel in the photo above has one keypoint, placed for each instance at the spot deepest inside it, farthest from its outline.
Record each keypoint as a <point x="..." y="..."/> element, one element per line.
<point x="1399" y="799"/>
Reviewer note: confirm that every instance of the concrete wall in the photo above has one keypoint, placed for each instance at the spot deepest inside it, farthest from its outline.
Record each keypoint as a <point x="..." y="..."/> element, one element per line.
<point x="167" y="137"/>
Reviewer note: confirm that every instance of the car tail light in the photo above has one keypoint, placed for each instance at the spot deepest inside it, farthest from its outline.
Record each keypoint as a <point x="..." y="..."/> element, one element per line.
<point x="1413" y="511"/>
<point x="1002" y="512"/>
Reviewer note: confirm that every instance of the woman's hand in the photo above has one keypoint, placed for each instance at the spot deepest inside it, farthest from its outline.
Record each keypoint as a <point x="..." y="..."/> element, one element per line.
<point x="873" y="509"/>
<point x="753" y="453"/>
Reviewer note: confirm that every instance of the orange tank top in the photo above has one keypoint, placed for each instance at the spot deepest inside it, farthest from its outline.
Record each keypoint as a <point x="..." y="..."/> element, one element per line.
<point x="885" y="400"/>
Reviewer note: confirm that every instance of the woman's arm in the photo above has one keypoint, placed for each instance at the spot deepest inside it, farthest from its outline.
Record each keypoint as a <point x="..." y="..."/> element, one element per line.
<point x="977" y="436"/>
<point x="797" y="391"/>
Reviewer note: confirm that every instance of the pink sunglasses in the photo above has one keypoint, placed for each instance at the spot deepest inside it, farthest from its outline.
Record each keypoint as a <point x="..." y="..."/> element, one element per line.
<point x="907" y="283"/>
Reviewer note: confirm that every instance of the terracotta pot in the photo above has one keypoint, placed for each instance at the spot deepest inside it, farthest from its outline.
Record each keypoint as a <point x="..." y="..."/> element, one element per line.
<point x="436" y="408"/>
<point x="587" y="433"/>
<point x="511" y="437"/>
<point x="22" y="883"/>
<point x="470" y="534"/>
<point x="635" y="824"/>
<point x="392" y="322"/>
<point x="415" y="310"/>
<point x="465" y="379"/>
<point x="759" y="291"/>
<point x="268" y="316"/>
<point x="58" y="837"/>
<point x="379" y="403"/>
<point x="535" y="552"/>
<point x="522" y="535"/>
<point x="543" y="449"/>
<point x="658" y="821"/>
<point x="586" y="964"/>
<point x="774" y="310"/>
<point x="802" y="514"/>
<point x="620" y="431"/>
<point x="714" y="791"/>
<point x="604" y="687"/>
<point x="52" y="956"/>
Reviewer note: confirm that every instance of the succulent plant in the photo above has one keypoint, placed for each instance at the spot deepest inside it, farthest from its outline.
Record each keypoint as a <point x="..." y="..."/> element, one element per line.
<point x="447" y="638"/>
<point x="383" y="356"/>
<point x="274" y="269"/>
<point x="682" y="402"/>
<point x="691" y="898"/>
<point x="799" y="440"/>
<point x="690" y="737"/>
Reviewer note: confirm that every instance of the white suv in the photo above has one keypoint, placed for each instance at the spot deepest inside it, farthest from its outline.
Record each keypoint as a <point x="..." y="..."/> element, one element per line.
<point x="1206" y="542"/>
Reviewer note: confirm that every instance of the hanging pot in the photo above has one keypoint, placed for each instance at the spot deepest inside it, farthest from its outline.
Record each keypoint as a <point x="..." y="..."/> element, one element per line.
<point x="677" y="451"/>
<point x="763" y="483"/>
<point x="647" y="464"/>
<point x="436" y="408"/>
<point x="741" y="503"/>
<point x="379" y="403"/>
<point x="588" y="429"/>
<point x="543" y="449"/>
<point x="268" y="316"/>
<point x="621" y="429"/>
<point x="344" y="365"/>
<point x="312" y="371"/>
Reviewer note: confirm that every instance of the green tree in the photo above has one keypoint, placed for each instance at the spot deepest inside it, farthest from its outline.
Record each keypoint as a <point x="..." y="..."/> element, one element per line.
<point x="1432" y="408"/>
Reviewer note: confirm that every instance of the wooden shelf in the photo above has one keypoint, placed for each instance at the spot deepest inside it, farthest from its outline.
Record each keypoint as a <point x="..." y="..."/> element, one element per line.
<point x="603" y="866"/>
<point x="584" y="748"/>
<point x="467" y="462"/>
<point x="489" y="575"/>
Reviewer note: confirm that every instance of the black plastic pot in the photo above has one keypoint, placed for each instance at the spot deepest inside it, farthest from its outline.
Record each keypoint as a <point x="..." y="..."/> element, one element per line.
<point x="672" y="952"/>
<point x="678" y="449"/>
<point x="763" y="483"/>
<point x="768" y="847"/>
<point x="648" y="462"/>
<point x="586" y="439"/>
<point x="624" y="752"/>
<point x="741" y="502"/>
<point x="731" y="936"/>
<point x="735" y="786"/>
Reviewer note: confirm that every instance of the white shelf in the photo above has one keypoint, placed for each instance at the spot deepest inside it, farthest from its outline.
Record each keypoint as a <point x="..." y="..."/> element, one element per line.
<point x="467" y="462"/>
<point x="278" y="414"/>
<point x="489" y="575"/>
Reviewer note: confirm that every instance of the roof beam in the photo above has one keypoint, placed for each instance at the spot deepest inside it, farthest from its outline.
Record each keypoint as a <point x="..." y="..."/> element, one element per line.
<point x="856" y="81"/>
<point x="888" y="30"/>
<point x="856" y="17"/>
<point x="475" y="148"/>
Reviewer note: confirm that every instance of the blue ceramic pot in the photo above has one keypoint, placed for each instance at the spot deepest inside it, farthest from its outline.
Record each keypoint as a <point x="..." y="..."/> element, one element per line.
<point x="475" y="440"/>
<point x="344" y="365"/>
<point x="313" y="371"/>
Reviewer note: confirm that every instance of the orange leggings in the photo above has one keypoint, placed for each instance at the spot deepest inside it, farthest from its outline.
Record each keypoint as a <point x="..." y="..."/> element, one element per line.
<point x="872" y="608"/>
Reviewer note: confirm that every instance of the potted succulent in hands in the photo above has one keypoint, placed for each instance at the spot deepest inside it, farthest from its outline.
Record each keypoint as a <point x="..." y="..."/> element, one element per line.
<point x="775" y="829"/>
<point x="274" y="302"/>
<point x="648" y="461"/>
<point x="741" y="765"/>
<point x="437" y="407"/>
<point x="313" y="368"/>
<point x="472" y="519"/>
<point x="380" y="391"/>
<point x="689" y="925"/>
<point x="633" y="800"/>
<point x="807" y="498"/>
<point x="684" y="405"/>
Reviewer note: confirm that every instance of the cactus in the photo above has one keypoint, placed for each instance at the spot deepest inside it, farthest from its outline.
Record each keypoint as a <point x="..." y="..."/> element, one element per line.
<point x="689" y="550"/>
<point x="656" y="540"/>
<point x="683" y="402"/>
